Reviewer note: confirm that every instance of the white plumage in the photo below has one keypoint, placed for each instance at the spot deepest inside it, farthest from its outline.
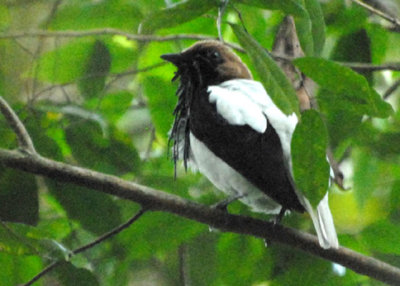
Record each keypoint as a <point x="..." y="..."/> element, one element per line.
<point x="226" y="179"/>
<point x="241" y="102"/>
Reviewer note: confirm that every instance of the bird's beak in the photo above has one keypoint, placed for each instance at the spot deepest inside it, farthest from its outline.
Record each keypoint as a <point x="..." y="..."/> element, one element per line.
<point x="176" y="59"/>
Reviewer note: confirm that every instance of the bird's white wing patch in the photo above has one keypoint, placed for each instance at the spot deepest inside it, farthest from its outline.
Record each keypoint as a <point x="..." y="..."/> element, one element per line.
<point x="237" y="108"/>
<point x="243" y="101"/>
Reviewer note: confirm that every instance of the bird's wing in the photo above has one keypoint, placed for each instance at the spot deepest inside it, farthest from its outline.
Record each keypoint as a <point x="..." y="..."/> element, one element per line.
<point x="237" y="108"/>
<point x="242" y="101"/>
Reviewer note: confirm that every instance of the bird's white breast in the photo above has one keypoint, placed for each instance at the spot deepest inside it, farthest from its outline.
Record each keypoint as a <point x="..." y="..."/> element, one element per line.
<point x="227" y="179"/>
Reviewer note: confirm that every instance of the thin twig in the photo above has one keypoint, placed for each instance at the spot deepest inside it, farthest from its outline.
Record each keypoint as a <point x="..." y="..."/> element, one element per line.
<point x="372" y="67"/>
<point x="111" y="31"/>
<point x="100" y="32"/>
<point x="391" y="89"/>
<point x="381" y="14"/>
<point x="111" y="233"/>
<point x="85" y="247"/>
<point x="46" y="270"/>
<point x="24" y="140"/>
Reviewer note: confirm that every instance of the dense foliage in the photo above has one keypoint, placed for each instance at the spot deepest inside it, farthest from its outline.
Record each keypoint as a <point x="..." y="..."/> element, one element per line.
<point x="96" y="98"/>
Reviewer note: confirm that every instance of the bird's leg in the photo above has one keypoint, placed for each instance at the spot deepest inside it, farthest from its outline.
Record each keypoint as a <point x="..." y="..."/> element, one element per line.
<point x="223" y="205"/>
<point x="277" y="219"/>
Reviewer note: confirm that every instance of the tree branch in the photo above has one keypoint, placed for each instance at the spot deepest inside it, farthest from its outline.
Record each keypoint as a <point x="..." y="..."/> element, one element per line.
<point x="372" y="67"/>
<point x="24" y="140"/>
<point x="160" y="201"/>
<point x="381" y="14"/>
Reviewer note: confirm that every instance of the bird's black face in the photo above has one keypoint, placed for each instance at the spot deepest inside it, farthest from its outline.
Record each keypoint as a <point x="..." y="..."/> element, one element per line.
<point x="199" y="65"/>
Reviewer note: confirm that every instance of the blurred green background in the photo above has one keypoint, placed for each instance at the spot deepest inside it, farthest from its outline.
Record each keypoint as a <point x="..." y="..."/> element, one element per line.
<point x="105" y="102"/>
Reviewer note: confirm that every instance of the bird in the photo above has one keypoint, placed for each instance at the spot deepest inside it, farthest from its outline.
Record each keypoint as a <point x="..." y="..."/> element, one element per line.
<point x="227" y="127"/>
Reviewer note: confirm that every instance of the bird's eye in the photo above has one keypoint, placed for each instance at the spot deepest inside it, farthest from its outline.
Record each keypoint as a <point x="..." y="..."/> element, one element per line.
<point x="215" y="55"/>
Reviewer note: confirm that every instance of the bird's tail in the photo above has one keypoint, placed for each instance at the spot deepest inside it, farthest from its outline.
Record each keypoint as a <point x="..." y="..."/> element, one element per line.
<point x="323" y="223"/>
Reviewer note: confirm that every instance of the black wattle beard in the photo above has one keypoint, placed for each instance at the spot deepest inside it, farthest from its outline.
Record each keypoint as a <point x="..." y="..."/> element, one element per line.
<point x="190" y="85"/>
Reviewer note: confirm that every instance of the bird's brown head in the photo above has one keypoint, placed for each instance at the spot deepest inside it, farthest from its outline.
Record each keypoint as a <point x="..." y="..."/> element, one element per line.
<point x="208" y="63"/>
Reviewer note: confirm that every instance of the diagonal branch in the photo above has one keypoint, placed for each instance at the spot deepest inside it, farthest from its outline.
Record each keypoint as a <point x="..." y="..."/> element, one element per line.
<point x="381" y="14"/>
<point x="161" y="201"/>
<point x="24" y="140"/>
<point x="85" y="247"/>
<point x="391" y="89"/>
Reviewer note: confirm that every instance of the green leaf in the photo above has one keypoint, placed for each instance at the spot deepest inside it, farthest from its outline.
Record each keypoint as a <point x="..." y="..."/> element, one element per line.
<point x="97" y="67"/>
<point x="295" y="269"/>
<point x="379" y="39"/>
<point x="301" y="16"/>
<point x="114" y="105"/>
<point x="20" y="239"/>
<point x="123" y="53"/>
<point x="304" y="33"/>
<point x="79" y="15"/>
<point x="343" y="119"/>
<point x="346" y="84"/>
<point x="344" y="50"/>
<point x="65" y="64"/>
<point x="381" y="144"/>
<point x="288" y="6"/>
<point x="202" y="255"/>
<point x="69" y="275"/>
<point x="317" y="24"/>
<point x="107" y="150"/>
<point x="4" y="17"/>
<point x="234" y="250"/>
<point x="17" y="270"/>
<point x="383" y="236"/>
<point x="45" y="145"/>
<point x="176" y="14"/>
<point x="158" y="233"/>
<point x="162" y="101"/>
<point x="14" y="239"/>
<point x="96" y="212"/>
<point x="310" y="166"/>
<point x="366" y="179"/>
<point x="272" y="77"/>
<point x="6" y="135"/>
<point x="18" y="197"/>
<point x="343" y="20"/>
